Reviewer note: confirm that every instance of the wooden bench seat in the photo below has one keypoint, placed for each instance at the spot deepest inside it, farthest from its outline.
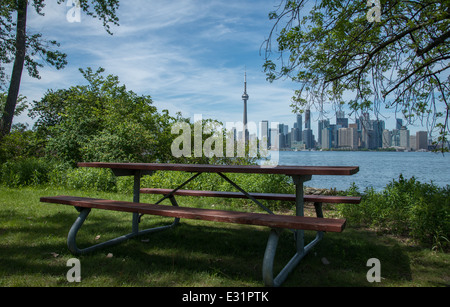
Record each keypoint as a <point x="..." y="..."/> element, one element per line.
<point x="260" y="219"/>
<point x="267" y="196"/>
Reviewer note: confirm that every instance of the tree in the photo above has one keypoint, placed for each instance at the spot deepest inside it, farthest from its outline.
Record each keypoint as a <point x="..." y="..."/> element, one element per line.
<point x="18" y="46"/>
<point x="333" y="48"/>
<point x="102" y="121"/>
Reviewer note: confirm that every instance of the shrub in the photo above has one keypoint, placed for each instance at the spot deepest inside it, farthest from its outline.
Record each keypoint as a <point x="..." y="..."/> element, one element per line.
<point x="407" y="208"/>
<point x="91" y="179"/>
<point x="20" y="144"/>
<point x="29" y="171"/>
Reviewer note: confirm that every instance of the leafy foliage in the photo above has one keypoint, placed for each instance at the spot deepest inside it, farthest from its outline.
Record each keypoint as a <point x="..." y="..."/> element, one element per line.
<point x="406" y="207"/>
<point x="333" y="51"/>
<point x="25" y="172"/>
<point x="102" y="121"/>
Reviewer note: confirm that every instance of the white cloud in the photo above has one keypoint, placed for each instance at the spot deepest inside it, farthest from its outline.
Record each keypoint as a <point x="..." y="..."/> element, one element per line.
<point x="188" y="55"/>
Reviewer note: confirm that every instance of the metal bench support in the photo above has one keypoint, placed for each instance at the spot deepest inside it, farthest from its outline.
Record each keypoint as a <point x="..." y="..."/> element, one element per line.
<point x="269" y="255"/>
<point x="84" y="212"/>
<point x="302" y="250"/>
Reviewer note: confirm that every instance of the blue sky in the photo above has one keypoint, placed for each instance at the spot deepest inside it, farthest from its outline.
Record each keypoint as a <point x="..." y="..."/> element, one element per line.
<point x="189" y="55"/>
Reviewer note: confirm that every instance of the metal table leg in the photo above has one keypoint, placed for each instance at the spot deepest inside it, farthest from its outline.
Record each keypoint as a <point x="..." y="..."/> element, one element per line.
<point x="84" y="212"/>
<point x="301" y="249"/>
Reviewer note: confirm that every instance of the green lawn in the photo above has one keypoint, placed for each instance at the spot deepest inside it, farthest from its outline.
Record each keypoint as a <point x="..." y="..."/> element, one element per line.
<point x="33" y="250"/>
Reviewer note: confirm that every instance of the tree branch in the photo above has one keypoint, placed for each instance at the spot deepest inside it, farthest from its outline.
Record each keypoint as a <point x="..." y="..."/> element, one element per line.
<point x="438" y="41"/>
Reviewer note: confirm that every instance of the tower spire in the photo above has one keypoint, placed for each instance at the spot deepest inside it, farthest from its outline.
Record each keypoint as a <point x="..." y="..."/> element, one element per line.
<point x="245" y="98"/>
<point x="245" y="82"/>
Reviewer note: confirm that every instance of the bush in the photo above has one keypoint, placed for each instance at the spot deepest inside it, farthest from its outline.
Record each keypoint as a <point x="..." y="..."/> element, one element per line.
<point x="30" y="171"/>
<point x="19" y="145"/>
<point x="406" y="208"/>
<point x="91" y="179"/>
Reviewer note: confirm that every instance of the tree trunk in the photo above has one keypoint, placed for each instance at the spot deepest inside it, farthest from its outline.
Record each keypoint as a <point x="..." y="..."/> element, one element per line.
<point x="13" y="92"/>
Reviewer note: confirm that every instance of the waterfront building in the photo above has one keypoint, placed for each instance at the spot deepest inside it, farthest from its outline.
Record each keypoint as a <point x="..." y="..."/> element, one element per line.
<point x="412" y="142"/>
<point x="323" y="123"/>
<point x="348" y="138"/>
<point x="341" y="120"/>
<point x="299" y="127"/>
<point x="398" y="123"/>
<point x="307" y="119"/>
<point x="326" y="138"/>
<point x="404" y="137"/>
<point x="421" y="140"/>
<point x="265" y="142"/>
<point x="395" y="138"/>
<point x="387" y="139"/>
<point x="308" y="138"/>
<point x="377" y="127"/>
<point x="294" y="136"/>
<point x="274" y="139"/>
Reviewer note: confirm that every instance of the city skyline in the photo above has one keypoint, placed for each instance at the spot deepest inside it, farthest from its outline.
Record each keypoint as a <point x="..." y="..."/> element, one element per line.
<point x="365" y="133"/>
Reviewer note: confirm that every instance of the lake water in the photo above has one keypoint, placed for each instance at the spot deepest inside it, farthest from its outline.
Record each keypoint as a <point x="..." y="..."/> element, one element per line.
<point x="376" y="169"/>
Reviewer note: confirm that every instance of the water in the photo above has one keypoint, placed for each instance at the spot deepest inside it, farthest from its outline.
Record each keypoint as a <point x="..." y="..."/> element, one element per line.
<point x="376" y="169"/>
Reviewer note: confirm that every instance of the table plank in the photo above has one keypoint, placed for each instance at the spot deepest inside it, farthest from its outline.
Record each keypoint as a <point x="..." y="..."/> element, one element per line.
<point x="267" y="196"/>
<point x="257" y="169"/>
<point x="249" y="218"/>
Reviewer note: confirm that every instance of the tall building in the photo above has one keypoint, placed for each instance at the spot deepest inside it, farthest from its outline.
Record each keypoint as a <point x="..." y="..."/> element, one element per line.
<point x="323" y="123"/>
<point x="308" y="138"/>
<point x="421" y="140"/>
<point x="378" y="126"/>
<point x="412" y="142"/>
<point x="348" y="138"/>
<point x="245" y="98"/>
<point x="274" y="139"/>
<point x="299" y="127"/>
<point x="387" y="139"/>
<point x="398" y="123"/>
<point x="341" y="120"/>
<point x="307" y="119"/>
<point x="326" y="137"/>
<point x="404" y="137"/>
<point x="265" y="134"/>
<point x="395" y="137"/>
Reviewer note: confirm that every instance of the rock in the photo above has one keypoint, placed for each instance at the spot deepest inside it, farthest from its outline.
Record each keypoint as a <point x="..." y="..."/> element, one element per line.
<point x="325" y="261"/>
<point x="317" y="191"/>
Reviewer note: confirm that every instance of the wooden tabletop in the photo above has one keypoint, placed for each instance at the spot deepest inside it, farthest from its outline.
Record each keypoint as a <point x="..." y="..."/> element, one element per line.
<point x="257" y="169"/>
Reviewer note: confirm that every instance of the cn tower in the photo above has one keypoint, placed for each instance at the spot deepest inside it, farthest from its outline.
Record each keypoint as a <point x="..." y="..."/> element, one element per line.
<point x="245" y="98"/>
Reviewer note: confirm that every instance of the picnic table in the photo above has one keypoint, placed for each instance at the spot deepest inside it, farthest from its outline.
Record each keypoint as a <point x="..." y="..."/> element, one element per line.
<point x="297" y="224"/>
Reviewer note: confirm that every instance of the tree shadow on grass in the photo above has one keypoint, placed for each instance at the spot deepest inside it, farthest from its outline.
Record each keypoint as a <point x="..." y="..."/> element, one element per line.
<point x="194" y="253"/>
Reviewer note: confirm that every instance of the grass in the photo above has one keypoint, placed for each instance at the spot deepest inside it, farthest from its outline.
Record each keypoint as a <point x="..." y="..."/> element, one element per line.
<point x="33" y="250"/>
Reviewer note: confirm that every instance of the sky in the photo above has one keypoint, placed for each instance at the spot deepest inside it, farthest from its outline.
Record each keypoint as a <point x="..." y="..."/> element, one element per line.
<point x="190" y="56"/>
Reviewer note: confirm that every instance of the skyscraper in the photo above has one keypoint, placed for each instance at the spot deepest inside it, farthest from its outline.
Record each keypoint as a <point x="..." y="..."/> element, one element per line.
<point x="348" y="138"/>
<point x="264" y="140"/>
<point x="307" y="119"/>
<point x="398" y="123"/>
<point x="404" y="137"/>
<point x="421" y="140"/>
<point x="245" y="98"/>
<point x="341" y="120"/>
<point x="300" y="128"/>
<point x="323" y="123"/>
